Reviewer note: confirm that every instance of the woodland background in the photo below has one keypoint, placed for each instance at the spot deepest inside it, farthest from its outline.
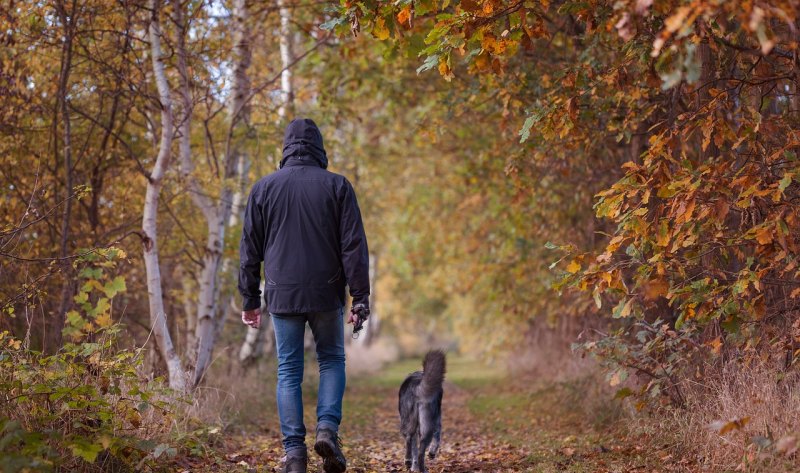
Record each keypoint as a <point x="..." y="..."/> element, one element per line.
<point x="540" y="181"/>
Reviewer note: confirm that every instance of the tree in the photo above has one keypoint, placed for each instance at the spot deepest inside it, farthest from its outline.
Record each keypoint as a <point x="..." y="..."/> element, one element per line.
<point x="158" y="316"/>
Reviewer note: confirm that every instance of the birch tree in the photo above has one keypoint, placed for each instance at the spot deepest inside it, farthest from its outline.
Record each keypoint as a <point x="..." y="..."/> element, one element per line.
<point x="253" y="346"/>
<point x="158" y="317"/>
<point x="217" y="212"/>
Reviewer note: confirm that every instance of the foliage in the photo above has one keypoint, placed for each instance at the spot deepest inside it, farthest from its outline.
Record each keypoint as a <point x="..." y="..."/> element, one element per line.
<point x="689" y="108"/>
<point x="85" y="408"/>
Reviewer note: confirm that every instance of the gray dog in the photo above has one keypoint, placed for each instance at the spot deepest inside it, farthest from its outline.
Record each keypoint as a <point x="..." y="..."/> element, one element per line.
<point x="421" y="410"/>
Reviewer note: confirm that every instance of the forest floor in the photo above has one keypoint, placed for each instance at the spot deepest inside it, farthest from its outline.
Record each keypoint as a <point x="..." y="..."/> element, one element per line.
<point x="492" y="423"/>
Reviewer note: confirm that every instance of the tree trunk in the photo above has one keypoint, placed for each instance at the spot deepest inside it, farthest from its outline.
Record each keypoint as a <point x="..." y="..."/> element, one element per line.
<point x="67" y="23"/>
<point x="287" y="57"/>
<point x="158" y="317"/>
<point x="372" y="326"/>
<point x="252" y="348"/>
<point x="217" y="219"/>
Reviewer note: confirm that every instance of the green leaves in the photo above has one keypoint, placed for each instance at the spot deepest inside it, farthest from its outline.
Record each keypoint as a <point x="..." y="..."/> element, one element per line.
<point x="86" y="450"/>
<point x="114" y="287"/>
<point x="537" y="116"/>
<point x="430" y="62"/>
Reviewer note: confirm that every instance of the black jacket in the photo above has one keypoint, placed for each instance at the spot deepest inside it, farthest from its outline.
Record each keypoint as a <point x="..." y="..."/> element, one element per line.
<point x="304" y="223"/>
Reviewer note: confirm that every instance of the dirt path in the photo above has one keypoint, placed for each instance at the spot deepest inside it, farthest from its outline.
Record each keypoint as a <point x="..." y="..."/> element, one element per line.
<point x="377" y="445"/>
<point x="491" y="423"/>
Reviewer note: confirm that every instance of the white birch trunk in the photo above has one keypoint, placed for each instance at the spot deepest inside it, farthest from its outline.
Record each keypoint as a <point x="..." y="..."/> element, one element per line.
<point x="219" y="215"/>
<point x="287" y="57"/>
<point x="158" y="317"/>
<point x="253" y="347"/>
<point x="372" y="325"/>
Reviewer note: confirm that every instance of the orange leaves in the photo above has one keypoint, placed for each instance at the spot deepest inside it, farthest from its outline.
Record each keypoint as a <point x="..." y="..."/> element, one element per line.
<point x="470" y="6"/>
<point x="764" y="235"/>
<point x="445" y="71"/>
<point x="404" y="17"/>
<point x="655" y="288"/>
<point x="681" y="22"/>
<point x="721" y="209"/>
<point x="722" y="427"/>
<point x="684" y="211"/>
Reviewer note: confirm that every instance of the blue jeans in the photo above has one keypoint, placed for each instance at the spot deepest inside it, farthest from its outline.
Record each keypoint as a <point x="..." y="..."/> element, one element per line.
<point x="328" y="330"/>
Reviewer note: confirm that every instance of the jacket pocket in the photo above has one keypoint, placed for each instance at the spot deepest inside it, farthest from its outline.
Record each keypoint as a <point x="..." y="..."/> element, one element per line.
<point x="336" y="276"/>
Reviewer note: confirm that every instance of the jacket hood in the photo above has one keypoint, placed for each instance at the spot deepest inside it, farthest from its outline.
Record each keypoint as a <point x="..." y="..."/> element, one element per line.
<point x="302" y="142"/>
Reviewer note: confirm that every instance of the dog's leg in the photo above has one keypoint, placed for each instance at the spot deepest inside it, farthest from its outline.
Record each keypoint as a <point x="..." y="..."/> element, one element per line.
<point x="437" y="439"/>
<point x="426" y="430"/>
<point x="409" y="456"/>
<point x="414" y="451"/>
<point x="437" y="434"/>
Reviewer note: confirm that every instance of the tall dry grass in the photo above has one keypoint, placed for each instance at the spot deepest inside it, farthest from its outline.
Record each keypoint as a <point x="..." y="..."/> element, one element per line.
<point x="742" y="418"/>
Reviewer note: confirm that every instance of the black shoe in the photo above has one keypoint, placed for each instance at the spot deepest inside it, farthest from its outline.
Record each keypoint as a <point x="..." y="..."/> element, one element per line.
<point x="329" y="448"/>
<point x="296" y="464"/>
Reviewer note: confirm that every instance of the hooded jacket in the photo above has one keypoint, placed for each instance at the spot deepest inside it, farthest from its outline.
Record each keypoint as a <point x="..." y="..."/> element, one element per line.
<point x="303" y="222"/>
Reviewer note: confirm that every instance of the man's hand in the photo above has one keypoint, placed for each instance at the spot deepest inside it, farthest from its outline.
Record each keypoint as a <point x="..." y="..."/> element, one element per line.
<point x="252" y="318"/>
<point x="358" y="311"/>
<point x="358" y="315"/>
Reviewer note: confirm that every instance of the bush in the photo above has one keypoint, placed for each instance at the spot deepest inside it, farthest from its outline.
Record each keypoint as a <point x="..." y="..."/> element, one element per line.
<point x="85" y="408"/>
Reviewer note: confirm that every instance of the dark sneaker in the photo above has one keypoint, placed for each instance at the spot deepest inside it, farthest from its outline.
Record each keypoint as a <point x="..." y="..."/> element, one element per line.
<point x="296" y="464"/>
<point x="329" y="448"/>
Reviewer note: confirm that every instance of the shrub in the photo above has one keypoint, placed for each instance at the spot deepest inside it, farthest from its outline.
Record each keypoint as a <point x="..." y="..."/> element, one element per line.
<point x="85" y="408"/>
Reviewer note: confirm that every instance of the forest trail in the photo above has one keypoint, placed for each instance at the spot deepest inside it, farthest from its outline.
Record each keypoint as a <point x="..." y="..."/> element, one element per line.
<point x="491" y="423"/>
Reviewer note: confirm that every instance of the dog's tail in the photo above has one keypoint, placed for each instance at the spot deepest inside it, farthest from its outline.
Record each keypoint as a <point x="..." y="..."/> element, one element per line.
<point x="433" y="369"/>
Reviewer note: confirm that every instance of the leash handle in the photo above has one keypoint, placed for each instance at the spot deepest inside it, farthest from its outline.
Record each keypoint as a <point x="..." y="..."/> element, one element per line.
<point x="361" y="317"/>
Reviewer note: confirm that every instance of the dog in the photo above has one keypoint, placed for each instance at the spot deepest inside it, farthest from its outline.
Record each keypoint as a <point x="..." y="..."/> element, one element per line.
<point x="420" y="405"/>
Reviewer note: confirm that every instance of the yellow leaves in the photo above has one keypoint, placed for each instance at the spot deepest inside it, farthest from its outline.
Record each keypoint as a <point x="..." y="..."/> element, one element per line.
<point x="615" y="243"/>
<point x="573" y="267"/>
<point x="14" y="343"/>
<point x="482" y="62"/>
<point x="623" y="309"/>
<point x="104" y="320"/>
<point x="133" y="417"/>
<point x="715" y="345"/>
<point x="618" y="377"/>
<point x="610" y="206"/>
<point x="492" y="44"/>
<point x="379" y="30"/>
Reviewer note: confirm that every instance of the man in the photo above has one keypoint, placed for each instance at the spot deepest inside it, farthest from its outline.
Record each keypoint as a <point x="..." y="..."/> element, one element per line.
<point x="304" y="223"/>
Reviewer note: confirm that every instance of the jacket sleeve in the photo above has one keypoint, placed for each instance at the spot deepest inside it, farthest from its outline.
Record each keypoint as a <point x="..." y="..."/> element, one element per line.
<point x="355" y="254"/>
<point x="251" y="253"/>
